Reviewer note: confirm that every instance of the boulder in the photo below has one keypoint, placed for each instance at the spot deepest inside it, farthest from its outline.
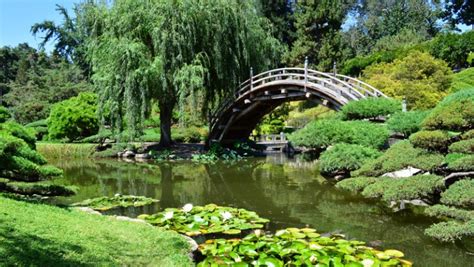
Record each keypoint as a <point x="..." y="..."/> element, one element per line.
<point x="128" y="154"/>
<point x="143" y="156"/>
<point x="407" y="172"/>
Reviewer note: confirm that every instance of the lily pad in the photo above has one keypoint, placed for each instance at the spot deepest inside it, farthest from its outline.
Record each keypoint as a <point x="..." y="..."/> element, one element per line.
<point x="118" y="201"/>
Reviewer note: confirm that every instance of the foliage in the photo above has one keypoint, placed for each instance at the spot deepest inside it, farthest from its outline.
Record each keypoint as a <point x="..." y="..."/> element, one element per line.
<point x="210" y="219"/>
<point x="406" y="122"/>
<point x="74" y="118"/>
<point x="453" y="48"/>
<point x="370" y="108"/>
<point x="4" y="114"/>
<point x="274" y="122"/>
<point x="302" y="115"/>
<point x="451" y="231"/>
<point x="463" y="80"/>
<point x="100" y="137"/>
<point x="298" y="247"/>
<point x="191" y="134"/>
<point x="346" y="157"/>
<point x="420" y="78"/>
<point x="81" y="239"/>
<point x="175" y="51"/>
<point x="44" y="188"/>
<point x="430" y="140"/>
<point x="400" y="156"/>
<point x="16" y="130"/>
<point x="323" y="133"/>
<point x="460" y="194"/>
<point x="356" y="184"/>
<point x="463" y="146"/>
<point x="65" y="151"/>
<point x="117" y="201"/>
<point x="465" y="163"/>
<point x="455" y="112"/>
<point x="442" y="211"/>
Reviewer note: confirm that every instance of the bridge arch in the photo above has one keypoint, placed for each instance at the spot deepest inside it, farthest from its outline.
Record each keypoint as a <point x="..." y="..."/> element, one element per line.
<point x="238" y="115"/>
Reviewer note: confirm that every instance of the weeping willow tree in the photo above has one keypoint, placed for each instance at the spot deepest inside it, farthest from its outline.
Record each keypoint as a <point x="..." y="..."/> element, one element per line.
<point x="164" y="51"/>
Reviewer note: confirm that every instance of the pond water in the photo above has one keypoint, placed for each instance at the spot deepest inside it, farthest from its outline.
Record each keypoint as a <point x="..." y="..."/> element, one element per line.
<point x="290" y="193"/>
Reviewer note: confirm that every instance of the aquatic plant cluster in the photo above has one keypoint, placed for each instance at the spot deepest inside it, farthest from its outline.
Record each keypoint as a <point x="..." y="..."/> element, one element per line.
<point x="117" y="201"/>
<point x="210" y="219"/>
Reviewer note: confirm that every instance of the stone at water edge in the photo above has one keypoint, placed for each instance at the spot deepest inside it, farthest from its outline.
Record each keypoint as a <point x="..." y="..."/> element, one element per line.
<point x="128" y="154"/>
<point x="407" y="172"/>
<point x="143" y="156"/>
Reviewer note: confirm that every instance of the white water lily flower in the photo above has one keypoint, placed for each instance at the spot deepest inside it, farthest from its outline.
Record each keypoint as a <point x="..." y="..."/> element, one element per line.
<point x="367" y="263"/>
<point x="188" y="207"/>
<point x="226" y="215"/>
<point x="168" y="215"/>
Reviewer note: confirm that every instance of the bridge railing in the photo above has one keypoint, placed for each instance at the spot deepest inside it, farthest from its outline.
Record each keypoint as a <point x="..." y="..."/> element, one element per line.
<point x="271" y="138"/>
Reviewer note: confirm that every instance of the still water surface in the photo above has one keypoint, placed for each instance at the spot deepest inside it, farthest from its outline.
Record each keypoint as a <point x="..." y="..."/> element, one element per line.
<point x="288" y="192"/>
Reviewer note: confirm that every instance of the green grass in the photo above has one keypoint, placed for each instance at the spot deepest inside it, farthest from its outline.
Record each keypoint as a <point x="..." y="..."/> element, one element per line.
<point x="42" y="235"/>
<point x="463" y="80"/>
<point x="65" y="151"/>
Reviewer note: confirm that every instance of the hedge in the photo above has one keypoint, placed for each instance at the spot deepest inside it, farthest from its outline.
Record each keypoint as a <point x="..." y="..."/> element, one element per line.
<point x="370" y="108"/>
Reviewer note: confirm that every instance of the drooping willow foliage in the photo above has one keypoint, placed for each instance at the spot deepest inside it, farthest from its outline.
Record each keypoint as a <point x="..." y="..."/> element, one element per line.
<point x="167" y="50"/>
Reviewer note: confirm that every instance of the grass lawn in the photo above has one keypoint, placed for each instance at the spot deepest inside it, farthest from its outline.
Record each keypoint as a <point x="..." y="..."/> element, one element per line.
<point x="43" y="235"/>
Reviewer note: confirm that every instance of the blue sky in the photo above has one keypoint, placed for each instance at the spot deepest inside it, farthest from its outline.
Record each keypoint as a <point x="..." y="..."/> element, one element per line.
<point x="17" y="17"/>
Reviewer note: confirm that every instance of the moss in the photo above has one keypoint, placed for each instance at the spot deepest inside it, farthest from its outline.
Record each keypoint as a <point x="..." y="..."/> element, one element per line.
<point x="356" y="184"/>
<point x="346" y="158"/>
<point x="430" y="140"/>
<point x="400" y="156"/>
<point x="43" y="235"/>
<point x="463" y="146"/>
<point x="460" y="194"/>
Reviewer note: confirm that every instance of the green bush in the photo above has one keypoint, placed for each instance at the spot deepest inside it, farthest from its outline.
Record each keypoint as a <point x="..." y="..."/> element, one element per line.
<point x="460" y="194"/>
<point x="192" y="134"/>
<point x="356" y="184"/>
<point x="465" y="163"/>
<point x="346" y="157"/>
<point x="454" y="113"/>
<point x="323" y="133"/>
<point x="40" y="127"/>
<point x="463" y="146"/>
<point x="451" y="231"/>
<point x="370" y="108"/>
<point x="4" y="114"/>
<point x="406" y="122"/>
<point x="377" y="189"/>
<point x="400" y="156"/>
<point x="452" y="157"/>
<point x="442" y="211"/>
<point x="19" y="131"/>
<point x="415" y="187"/>
<point x="453" y="48"/>
<point x="431" y="140"/>
<point x="74" y="118"/>
<point x="468" y="135"/>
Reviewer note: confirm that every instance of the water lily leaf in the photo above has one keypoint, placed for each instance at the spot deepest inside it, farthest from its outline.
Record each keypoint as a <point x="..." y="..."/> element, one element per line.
<point x="382" y="256"/>
<point x="232" y="232"/>
<point x="394" y="253"/>
<point x="312" y="235"/>
<point x="270" y="262"/>
<point x="308" y="230"/>
<point x="293" y="230"/>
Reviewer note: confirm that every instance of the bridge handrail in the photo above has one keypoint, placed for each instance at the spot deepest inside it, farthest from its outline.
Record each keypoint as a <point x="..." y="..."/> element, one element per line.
<point x="374" y="91"/>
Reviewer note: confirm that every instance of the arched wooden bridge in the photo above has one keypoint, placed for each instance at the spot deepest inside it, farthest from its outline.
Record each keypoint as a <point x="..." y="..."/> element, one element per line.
<point x="237" y="116"/>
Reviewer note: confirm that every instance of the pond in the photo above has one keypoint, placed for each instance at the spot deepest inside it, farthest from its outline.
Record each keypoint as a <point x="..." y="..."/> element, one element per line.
<point x="290" y="193"/>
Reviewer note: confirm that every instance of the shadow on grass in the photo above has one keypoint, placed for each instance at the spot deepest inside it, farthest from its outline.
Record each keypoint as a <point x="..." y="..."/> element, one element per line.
<point x="21" y="249"/>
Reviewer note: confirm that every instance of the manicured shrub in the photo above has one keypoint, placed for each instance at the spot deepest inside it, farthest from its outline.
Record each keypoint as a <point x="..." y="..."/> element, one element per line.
<point x="406" y="122"/>
<point x="415" y="187"/>
<point x="343" y="158"/>
<point x="468" y="135"/>
<point x="454" y="113"/>
<point x="323" y="133"/>
<point x="377" y="189"/>
<point x="19" y="131"/>
<point x="40" y="128"/>
<point x="4" y="114"/>
<point x="400" y="156"/>
<point x="460" y="194"/>
<point x="465" y="163"/>
<point x="370" y="108"/>
<point x="442" y="211"/>
<point x="452" y="157"/>
<point x="74" y="118"/>
<point x="463" y="146"/>
<point x="430" y="140"/>
<point x="451" y="231"/>
<point x="356" y="184"/>
<point x="463" y="80"/>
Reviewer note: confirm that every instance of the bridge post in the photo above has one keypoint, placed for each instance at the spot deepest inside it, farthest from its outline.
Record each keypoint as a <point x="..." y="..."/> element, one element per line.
<point x="305" y="72"/>
<point x="251" y="78"/>
<point x="334" y="70"/>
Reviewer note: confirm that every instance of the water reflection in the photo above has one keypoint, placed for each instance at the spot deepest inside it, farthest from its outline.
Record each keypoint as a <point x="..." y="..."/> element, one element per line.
<point x="290" y="193"/>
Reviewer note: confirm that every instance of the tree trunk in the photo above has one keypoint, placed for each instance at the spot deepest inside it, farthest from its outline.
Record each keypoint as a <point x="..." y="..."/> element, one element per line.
<point x="166" y="112"/>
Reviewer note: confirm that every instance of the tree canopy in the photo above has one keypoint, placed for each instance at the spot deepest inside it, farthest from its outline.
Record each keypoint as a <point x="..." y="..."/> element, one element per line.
<point x="164" y="51"/>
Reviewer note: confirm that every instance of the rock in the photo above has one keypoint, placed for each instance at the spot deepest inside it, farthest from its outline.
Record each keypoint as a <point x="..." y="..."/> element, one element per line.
<point x="88" y="210"/>
<point x="143" y="156"/>
<point x="193" y="246"/>
<point x="407" y="172"/>
<point x="120" y="154"/>
<point x="128" y="154"/>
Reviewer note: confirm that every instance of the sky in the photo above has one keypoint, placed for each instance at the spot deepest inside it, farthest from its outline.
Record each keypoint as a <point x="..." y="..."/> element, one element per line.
<point x="17" y="17"/>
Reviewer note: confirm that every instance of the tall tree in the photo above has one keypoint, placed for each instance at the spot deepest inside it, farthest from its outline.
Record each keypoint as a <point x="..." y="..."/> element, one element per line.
<point x="318" y="25"/>
<point x="166" y="50"/>
<point x="459" y="11"/>
<point x="280" y="13"/>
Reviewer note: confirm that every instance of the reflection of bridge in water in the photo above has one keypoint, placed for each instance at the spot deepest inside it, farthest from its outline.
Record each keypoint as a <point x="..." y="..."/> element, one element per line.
<point x="236" y="118"/>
